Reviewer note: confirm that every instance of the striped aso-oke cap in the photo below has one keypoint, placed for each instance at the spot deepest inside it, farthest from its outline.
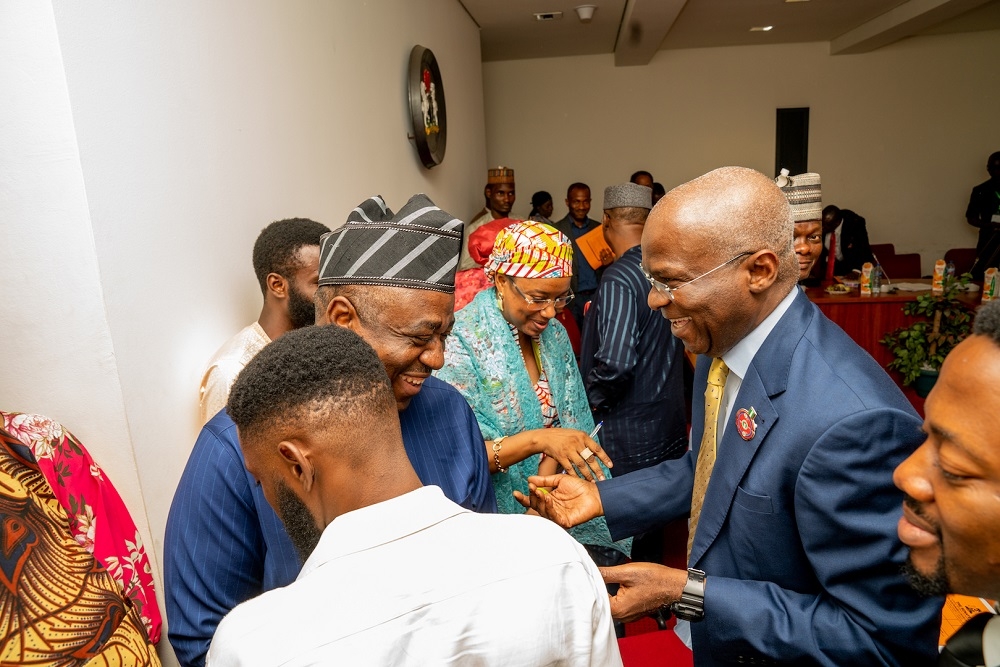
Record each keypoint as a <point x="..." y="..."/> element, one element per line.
<point x="530" y="249"/>
<point x="803" y="193"/>
<point x="417" y="247"/>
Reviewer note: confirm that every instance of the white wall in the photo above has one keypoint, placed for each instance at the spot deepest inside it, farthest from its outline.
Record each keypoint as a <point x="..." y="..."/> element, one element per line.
<point x="900" y="135"/>
<point x="144" y="145"/>
<point x="57" y="357"/>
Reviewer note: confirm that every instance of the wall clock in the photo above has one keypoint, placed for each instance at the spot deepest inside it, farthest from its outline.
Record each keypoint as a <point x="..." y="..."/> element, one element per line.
<point x="428" y="115"/>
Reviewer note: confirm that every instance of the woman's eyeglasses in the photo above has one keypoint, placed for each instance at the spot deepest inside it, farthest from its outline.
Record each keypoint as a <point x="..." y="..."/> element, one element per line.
<point x="541" y="304"/>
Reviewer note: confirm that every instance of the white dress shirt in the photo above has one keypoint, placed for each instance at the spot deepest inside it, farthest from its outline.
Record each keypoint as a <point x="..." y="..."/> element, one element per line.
<point x="418" y="580"/>
<point x="838" y="254"/>
<point x="738" y="359"/>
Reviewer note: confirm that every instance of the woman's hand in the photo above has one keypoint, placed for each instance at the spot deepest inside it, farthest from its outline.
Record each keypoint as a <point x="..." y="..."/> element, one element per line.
<point x="573" y="449"/>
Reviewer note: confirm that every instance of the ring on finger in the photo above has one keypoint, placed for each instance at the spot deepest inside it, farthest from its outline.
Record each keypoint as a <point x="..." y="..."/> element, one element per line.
<point x="586" y="453"/>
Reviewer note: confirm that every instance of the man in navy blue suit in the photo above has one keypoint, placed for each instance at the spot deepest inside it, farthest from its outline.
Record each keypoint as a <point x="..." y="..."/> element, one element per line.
<point x="794" y="557"/>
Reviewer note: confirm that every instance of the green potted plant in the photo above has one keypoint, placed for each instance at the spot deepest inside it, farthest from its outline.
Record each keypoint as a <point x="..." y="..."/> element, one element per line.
<point x="920" y="349"/>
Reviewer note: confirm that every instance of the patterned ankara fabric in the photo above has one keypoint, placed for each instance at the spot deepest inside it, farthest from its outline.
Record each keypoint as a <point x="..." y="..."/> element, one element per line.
<point x="98" y="517"/>
<point x="58" y="604"/>
<point x="550" y="414"/>
<point x="417" y="247"/>
<point x="531" y="250"/>
<point x="483" y="361"/>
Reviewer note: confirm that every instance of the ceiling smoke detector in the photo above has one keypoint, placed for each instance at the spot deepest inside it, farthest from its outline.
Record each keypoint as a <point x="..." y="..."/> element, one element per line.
<point x="585" y="12"/>
<point x="548" y="16"/>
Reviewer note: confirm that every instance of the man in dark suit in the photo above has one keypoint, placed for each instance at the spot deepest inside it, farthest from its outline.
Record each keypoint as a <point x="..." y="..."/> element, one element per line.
<point x="952" y="486"/>
<point x="849" y="234"/>
<point x="983" y="212"/>
<point x="574" y="225"/>
<point x="794" y="557"/>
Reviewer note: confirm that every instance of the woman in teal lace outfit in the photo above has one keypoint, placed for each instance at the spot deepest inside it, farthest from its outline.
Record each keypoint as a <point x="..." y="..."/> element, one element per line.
<point x="513" y="363"/>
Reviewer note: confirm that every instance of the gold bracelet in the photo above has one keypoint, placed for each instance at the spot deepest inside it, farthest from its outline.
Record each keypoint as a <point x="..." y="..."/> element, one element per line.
<point x="497" y="444"/>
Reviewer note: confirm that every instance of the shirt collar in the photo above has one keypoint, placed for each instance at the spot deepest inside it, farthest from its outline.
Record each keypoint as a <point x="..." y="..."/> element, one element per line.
<point x="741" y="355"/>
<point x="378" y="524"/>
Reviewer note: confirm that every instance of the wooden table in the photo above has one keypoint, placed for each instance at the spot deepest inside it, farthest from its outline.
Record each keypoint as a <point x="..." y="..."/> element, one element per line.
<point x="866" y="319"/>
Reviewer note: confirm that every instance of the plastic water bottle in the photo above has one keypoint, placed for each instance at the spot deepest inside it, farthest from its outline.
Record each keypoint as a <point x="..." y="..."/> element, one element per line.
<point x="877" y="280"/>
<point x="949" y="269"/>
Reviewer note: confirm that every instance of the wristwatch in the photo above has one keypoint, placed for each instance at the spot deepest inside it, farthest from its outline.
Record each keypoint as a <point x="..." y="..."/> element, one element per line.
<point x="691" y="606"/>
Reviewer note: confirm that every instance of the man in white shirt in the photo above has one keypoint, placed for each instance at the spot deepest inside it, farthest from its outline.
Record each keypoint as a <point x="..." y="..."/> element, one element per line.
<point x="951" y="512"/>
<point x="395" y="573"/>
<point x="286" y="261"/>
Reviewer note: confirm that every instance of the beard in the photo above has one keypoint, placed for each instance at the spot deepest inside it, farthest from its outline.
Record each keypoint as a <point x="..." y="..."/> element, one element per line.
<point x="299" y="523"/>
<point x="935" y="584"/>
<point x="301" y="310"/>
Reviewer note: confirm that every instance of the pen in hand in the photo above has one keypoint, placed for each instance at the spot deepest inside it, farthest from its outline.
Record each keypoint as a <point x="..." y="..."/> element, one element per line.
<point x="596" y="429"/>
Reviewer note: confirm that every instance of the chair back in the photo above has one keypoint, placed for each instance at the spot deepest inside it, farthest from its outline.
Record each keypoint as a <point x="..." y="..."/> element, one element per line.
<point x="962" y="258"/>
<point x="900" y="267"/>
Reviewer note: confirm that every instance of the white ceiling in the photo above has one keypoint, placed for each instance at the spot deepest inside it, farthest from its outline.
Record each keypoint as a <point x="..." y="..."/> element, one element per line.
<point x="635" y="29"/>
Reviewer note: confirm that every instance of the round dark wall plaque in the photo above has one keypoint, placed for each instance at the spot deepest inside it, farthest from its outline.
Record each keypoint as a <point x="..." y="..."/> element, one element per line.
<point x="427" y="110"/>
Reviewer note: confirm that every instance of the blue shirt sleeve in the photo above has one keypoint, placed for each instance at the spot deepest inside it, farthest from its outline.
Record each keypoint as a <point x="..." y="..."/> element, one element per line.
<point x="216" y="548"/>
<point x="446" y="447"/>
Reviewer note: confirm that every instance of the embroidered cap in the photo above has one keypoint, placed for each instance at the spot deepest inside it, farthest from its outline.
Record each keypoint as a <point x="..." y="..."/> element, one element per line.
<point x="500" y="175"/>
<point x="417" y="247"/>
<point x="628" y="195"/>
<point x="803" y="193"/>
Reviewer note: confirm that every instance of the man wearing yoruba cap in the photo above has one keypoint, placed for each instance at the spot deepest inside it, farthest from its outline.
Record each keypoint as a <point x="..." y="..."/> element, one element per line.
<point x="804" y="194"/>
<point x="632" y="366"/>
<point x="500" y="196"/>
<point x="390" y="278"/>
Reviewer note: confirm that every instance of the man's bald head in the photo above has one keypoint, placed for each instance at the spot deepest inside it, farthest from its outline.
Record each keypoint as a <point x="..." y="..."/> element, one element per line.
<point x="735" y="209"/>
<point x="720" y="251"/>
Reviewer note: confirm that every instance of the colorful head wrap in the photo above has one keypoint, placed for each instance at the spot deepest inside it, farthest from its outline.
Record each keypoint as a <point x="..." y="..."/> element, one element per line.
<point x="531" y="249"/>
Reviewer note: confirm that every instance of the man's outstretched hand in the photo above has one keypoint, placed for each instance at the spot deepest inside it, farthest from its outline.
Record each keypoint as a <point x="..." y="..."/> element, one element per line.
<point x="564" y="499"/>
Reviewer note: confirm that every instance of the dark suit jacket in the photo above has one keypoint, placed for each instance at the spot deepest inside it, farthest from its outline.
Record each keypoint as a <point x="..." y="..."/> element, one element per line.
<point x="564" y="227"/>
<point x="854" y="246"/>
<point x="984" y="203"/>
<point x="798" y="529"/>
<point x="633" y="370"/>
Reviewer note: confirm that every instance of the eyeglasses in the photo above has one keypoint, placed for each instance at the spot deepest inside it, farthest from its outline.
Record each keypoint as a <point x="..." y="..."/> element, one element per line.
<point x="541" y="304"/>
<point x="664" y="288"/>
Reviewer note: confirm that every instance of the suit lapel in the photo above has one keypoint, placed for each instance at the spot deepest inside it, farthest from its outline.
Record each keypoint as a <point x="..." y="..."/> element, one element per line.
<point x="734" y="453"/>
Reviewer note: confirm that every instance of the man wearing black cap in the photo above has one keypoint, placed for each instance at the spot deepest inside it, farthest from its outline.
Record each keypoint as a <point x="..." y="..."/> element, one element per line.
<point x="390" y="278"/>
<point x="632" y="365"/>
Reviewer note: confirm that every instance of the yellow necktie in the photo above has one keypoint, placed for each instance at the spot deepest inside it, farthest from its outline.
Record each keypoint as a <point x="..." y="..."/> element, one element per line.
<point x="717" y="374"/>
